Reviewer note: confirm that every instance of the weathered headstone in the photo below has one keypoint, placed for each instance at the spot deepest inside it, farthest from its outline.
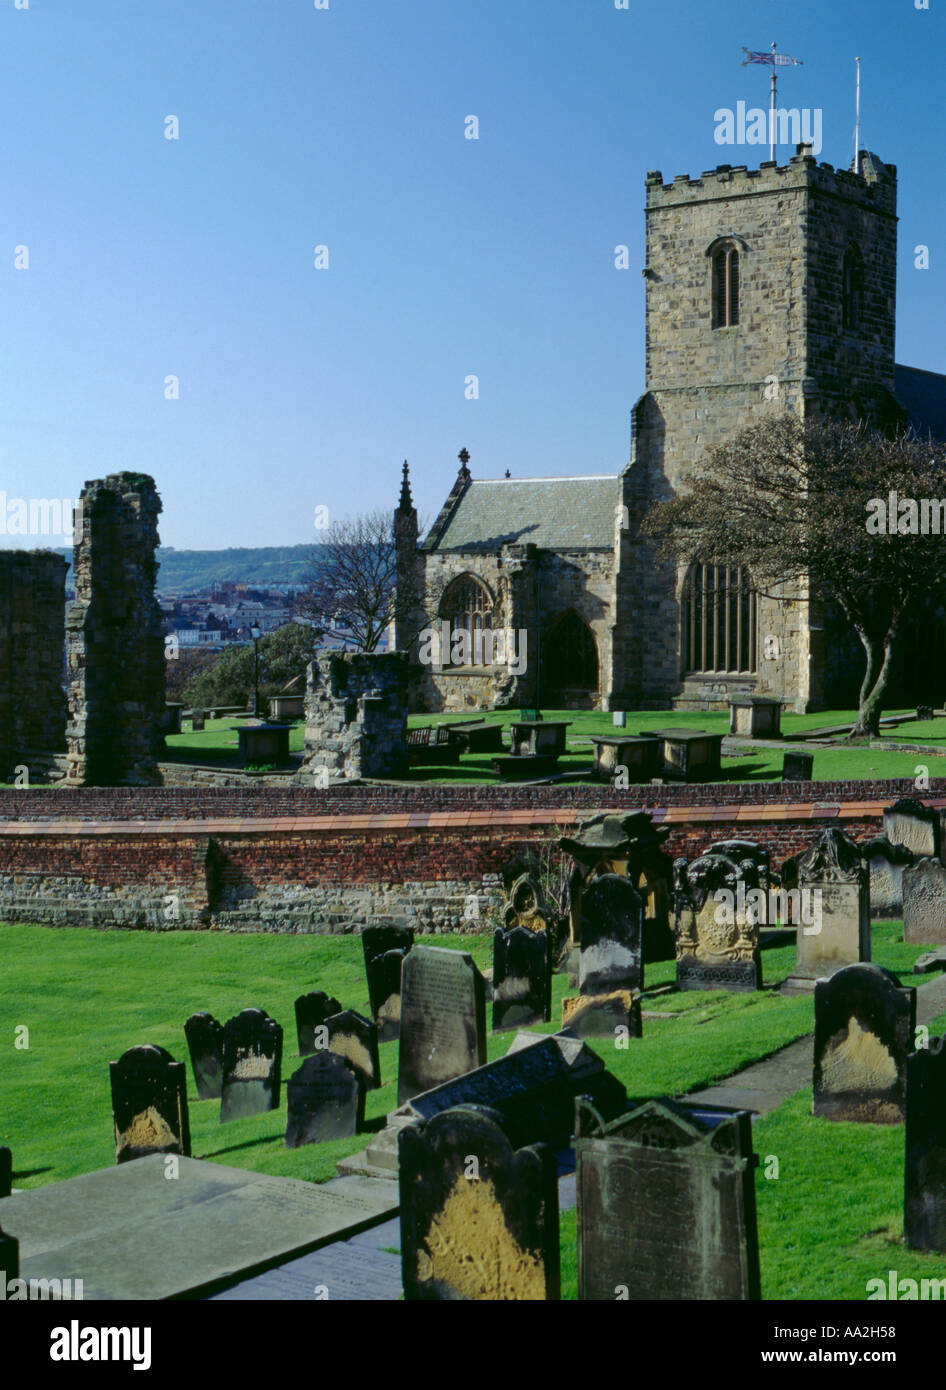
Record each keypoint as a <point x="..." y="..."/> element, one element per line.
<point x="311" y="1012"/>
<point x="924" y="1207"/>
<point x="909" y="822"/>
<point x="797" y="767"/>
<point x="252" y="1061"/>
<point x="325" y="1100"/>
<point x="864" y="1029"/>
<point x="666" y="1204"/>
<point x="834" y="893"/>
<point x="522" y="978"/>
<point x="611" y="914"/>
<point x="204" y="1035"/>
<point x="6" y="1172"/>
<point x="527" y="906"/>
<point x="9" y="1257"/>
<point x="385" y="947"/>
<point x="630" y="846"/>
<point x="740" y="851"/>
<point x="924" y="903"/>
<point x="614" y="1015"/>
<point x="355" y="1038"/>
<point x="149" y="1104"/>
<point x="718" y="906"/>
<point x="924" y="712"/>
<point x="443" y="1019"/>
<point x="886" y="863"/>
<point x="197" y="722"/>
<point x="479" y="1220"/>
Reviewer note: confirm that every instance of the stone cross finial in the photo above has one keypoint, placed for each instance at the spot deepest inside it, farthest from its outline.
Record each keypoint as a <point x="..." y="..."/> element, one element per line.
<point x="464" y="457"/>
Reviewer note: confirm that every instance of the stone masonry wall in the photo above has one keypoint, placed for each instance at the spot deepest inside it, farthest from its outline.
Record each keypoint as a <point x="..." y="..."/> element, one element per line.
<point x="32" y="629"/>
<point x="114" y="636"/>
<point x="356" y="717"/>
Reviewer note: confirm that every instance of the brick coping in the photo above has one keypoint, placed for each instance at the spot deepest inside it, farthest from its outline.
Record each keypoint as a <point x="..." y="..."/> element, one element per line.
<point x="443" y="820"/>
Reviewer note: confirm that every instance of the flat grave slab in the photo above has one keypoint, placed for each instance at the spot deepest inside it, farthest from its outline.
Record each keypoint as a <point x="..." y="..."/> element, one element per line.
<point x="130" y="1232"/>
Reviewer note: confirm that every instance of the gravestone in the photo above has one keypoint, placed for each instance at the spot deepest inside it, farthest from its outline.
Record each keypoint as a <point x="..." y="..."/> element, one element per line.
<point x="527" y="905"/>
<point x="197" y="722"/>
<point x="631" y="846"/>
<point x="9" y="1256"/>
<point x="611" y="913"/>
<point x="924" y="903"/>
<point x="797" y="767"/>
<point x="252" y="1060"/>
<point x="864" y="1029"/>
<point x="479" y="1219"/>
<point x="311" y="1012"/>
<point x="924" y="712"/>
<point x="325" y="1100"/>
<point x="354" y="1038"/>
<point x="885" y="864"/>
<point x="924" y="1205"/>
<point x="835" y="895"/>
<point x="522" y="978"/>
<point x="717" y="938"/>
<point x="6" y="1172"/>
<point x="603" y="1015"/>
<point x="149" y="1104"/>
<point x="909" y="822"/>
<point x="443" y="1019"/>
<point x="740" y="851"/>
<point x="666" y="1204"/>
<point x="204" y="1035"/>
<point x="385" y="947"/>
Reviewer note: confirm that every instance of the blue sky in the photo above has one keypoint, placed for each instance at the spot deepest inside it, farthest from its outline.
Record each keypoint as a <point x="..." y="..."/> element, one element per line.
<point x="448" y="257"/>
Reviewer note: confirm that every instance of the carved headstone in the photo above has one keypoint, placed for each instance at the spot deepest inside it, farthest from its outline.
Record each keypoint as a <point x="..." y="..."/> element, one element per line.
<point x="354" y="1038"/>
<point x="252" y="1061"/>
<point x="443" y="1019"/>
<point x="864" y="1029"/>
<point x="479" y="1220"/>
<point x="886" y="863"/>
<point x="924" y="1208"/>
<point x="740" y="851"/>
<point x="631" y="846"/>
<point x="204" y="1035"/>
<point x="527" y="906"/>
<point x="522" y="978"/>
<point x="311" y="1012"/>
<point x="149" y="1104"/>
<point x="384" y="949"/>
<point x="924" y="903"/>
<point x="909" y="822"/>
<point x="6" y="1172"/>
<point x="325" y="1100"/>
<point x="835" y="897"/>
<point x="666" y="1204"/>
<point x="718" y="906"/>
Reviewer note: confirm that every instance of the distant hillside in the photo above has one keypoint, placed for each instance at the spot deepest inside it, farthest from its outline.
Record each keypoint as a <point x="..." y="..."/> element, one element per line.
<point x="189" y="570"/>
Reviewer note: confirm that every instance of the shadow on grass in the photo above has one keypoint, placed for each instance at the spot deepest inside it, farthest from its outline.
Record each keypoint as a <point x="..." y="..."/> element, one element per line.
<point x="247" y="1144"/>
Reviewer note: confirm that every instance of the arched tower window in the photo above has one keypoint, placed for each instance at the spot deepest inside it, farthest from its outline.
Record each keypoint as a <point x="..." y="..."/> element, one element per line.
<point x="719" y="620"/>
<point x="852" y="289"/>
<point x="726" y="286"/>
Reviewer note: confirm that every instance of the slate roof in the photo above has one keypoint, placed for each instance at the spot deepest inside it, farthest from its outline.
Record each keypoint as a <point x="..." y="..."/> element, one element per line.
<point x="923" y="396"/>
<point x="552" y="513"/>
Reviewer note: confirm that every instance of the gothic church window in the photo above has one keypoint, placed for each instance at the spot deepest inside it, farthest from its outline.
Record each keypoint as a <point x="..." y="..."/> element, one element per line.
<point x="719" y="620"/>
<point x="852" y="293"/>
<point x="467" y="605"/>
<point x="725" y="286"/>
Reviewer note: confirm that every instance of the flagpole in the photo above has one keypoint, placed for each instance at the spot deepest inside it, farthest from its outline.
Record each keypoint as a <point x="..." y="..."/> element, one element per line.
<point x="857" y="120"/>
<point x="772" y="110"/>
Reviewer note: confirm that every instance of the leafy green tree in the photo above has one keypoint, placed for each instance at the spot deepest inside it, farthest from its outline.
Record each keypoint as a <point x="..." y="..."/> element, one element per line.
<point x="229" y="680"/>
<point x="804" y="508"/>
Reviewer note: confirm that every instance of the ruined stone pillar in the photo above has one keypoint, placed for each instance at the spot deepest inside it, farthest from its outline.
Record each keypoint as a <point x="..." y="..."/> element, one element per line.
<point x="32" y="628"/>
<point x="114" y="637"/>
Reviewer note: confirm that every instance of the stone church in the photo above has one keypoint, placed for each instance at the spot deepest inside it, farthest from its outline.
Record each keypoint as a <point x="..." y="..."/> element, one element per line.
<point x="766" y="289"/>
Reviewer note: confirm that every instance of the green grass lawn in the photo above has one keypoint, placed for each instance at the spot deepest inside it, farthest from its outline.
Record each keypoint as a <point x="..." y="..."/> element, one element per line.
<point x="86" y="996"/>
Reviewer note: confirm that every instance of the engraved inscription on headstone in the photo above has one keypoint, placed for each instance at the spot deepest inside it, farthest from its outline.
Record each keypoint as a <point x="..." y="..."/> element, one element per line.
<point x="864" y="1029"/>
<point x="252" y="1059"/>
<point x="886" y="863"/>
<point x="479" y="1220"/>
<point x="149" y="1104"/>
<point x="718" y="907"/>
<point x="924" y="903"/>
<point x="833" y="881"/>
<point x="325" y="1100"/>
<point x="443" y="1019"/>
<point x="522" y="978"/>
<point x="909" y="822"/>
<point x="311" y="1012"/>
<point x="666" y="1204"/>
<point x="204" y="1035"/>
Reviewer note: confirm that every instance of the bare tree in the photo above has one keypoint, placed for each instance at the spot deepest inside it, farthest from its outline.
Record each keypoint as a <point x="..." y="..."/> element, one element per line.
<point x="354" y="581"/>
<point x="805" y="508"/>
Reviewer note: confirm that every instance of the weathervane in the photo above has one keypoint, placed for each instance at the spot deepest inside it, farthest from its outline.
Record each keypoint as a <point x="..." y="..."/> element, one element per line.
<point x="773" y="60"/>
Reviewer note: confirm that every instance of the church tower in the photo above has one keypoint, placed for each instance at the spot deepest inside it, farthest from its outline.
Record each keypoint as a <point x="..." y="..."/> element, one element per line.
<point x="766" y="289"/>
